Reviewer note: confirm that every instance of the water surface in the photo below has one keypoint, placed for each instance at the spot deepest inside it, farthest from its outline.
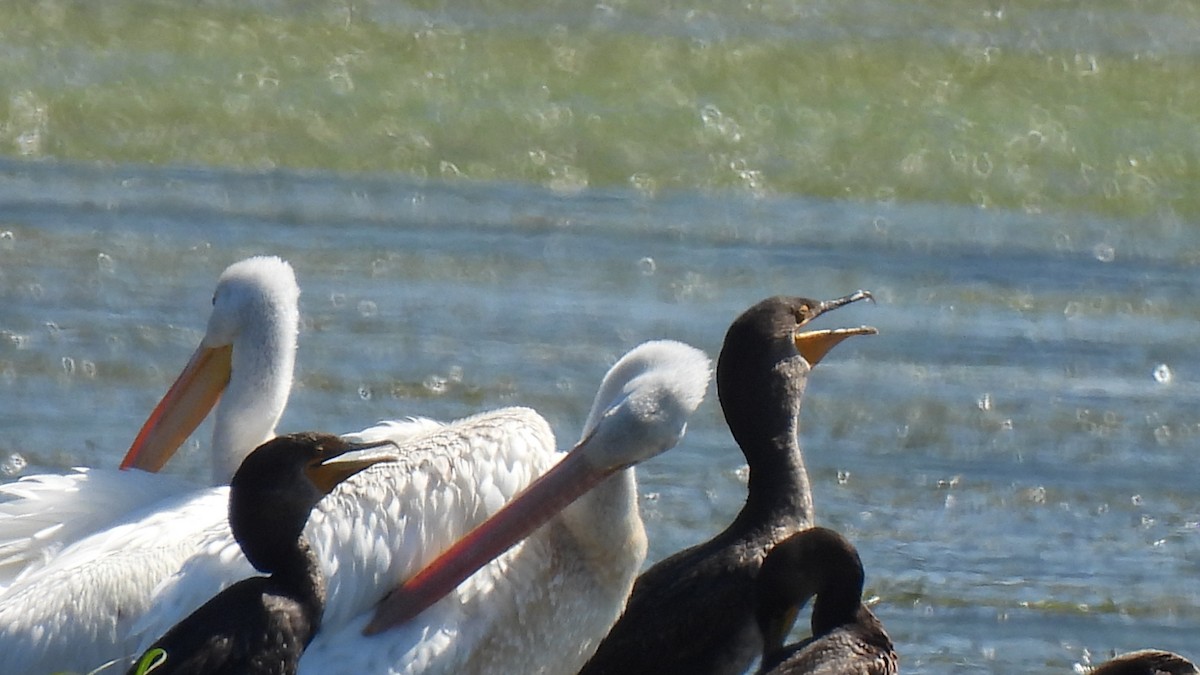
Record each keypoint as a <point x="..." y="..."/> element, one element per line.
<point x="488" y="202"/>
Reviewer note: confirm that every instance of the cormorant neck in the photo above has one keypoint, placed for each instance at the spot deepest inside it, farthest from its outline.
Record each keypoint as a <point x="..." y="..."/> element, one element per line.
<point x="300" y="577"/>
<point x="763" y="417"/>
<point x="293" y="571"/>
<point x="268" y="524"/>
<point x="837" y="604"/>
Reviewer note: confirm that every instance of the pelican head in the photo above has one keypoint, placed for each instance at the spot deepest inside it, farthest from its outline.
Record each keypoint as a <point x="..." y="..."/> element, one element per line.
<point x="640" y="411"/>
<point x="246" y="359"/>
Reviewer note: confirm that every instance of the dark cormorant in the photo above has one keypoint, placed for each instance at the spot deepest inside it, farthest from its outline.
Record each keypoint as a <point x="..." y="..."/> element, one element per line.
<point x="846" y="639"/>
<point x="693" y="612"/>
<point x="1146" y="662"/>
<point x="261" y="625"/>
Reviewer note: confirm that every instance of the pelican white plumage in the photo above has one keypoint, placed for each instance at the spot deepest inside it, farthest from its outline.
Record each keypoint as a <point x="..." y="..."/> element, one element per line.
<point x="77" y="610"/>
<point x="85" y="550"/>
<point x="254" y="320"/>
<point x="585" y="544"/>
<point x="543" y="605"/>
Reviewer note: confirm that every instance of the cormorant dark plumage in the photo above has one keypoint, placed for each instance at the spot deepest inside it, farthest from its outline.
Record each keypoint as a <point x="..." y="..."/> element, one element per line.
<point x="846" y="639"/>
<point x="261" y="625"/>
<point x="1146" y="662"/>
<point x="693" y="612"/>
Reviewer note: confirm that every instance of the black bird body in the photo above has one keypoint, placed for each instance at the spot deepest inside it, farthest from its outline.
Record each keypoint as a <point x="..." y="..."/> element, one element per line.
<point x="693" y="611"/>
<point x="266" y="633"/>
<point x="261" y="625"/>
<point x="1146" y="662"/>
<point x="847" y="638"/>
<point x="861" y="649"/>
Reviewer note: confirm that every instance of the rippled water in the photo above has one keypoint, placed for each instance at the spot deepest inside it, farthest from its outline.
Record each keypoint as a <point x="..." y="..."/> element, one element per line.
<point x="1025" y="105"/>
<point x="487" y="203"/>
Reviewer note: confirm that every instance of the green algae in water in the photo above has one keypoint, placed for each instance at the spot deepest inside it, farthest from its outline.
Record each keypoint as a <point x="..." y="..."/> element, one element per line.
<point x="1025" y="107"/>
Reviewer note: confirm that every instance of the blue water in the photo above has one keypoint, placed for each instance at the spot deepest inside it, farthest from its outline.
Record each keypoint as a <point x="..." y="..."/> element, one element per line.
<point x="1012" y="454"/>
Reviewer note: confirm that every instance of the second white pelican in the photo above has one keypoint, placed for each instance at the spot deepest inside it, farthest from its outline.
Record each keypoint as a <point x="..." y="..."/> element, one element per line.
<point x="542" y="606"/>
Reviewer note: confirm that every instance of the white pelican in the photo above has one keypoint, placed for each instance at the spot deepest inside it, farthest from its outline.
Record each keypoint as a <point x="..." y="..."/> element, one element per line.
<point x="48" y="512"/>
<point x="77" y="611"/>
<point x="75" y="597"/>
<point x="254" y="321"/>
<point x="542" y="606"/>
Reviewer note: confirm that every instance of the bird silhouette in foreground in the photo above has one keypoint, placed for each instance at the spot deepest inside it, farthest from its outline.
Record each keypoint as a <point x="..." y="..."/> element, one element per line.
<point x="1145" y="662"/>
<point x="846" y="638"/>
<point x="261" y="625"/>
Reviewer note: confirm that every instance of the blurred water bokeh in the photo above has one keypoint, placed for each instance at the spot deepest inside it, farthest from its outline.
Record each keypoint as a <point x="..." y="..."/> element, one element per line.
<point x="487" y="202"/>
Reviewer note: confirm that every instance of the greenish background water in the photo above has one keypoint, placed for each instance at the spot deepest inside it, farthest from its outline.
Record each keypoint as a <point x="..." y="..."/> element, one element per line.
<point x="487" y="202"/>
<point x="1026" y="105"/>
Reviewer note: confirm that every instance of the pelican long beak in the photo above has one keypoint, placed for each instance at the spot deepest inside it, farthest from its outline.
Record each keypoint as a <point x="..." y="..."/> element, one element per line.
<point x="536" y="504"/>
<point x="339" y="465"/>
<point x="815" y="344"/>
<point x="181" y="410"/>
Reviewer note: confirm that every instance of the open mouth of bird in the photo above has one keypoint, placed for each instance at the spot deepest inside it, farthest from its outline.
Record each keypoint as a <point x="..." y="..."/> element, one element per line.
<point x="813" y="345"/>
